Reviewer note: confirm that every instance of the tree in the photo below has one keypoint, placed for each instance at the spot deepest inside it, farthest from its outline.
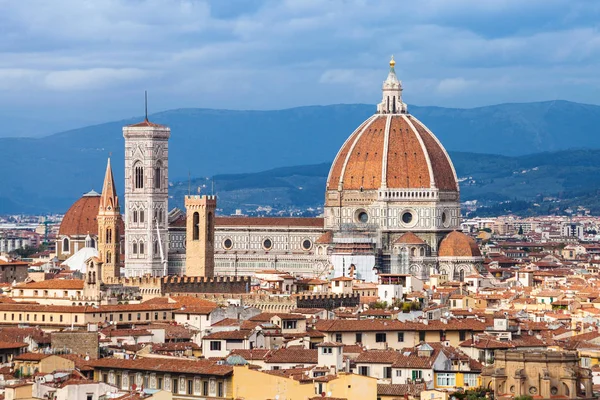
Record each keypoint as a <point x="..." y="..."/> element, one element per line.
<point x="521" y="230"/>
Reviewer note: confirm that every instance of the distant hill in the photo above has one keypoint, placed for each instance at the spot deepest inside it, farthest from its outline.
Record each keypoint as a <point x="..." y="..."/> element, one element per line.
<point x="543" y="183"/>
<point x="49" y="173"/>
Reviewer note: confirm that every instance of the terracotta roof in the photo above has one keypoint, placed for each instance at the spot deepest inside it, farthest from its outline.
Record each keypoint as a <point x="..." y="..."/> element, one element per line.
<point x="147" y="124"/>
<point x="31" y="356"/>
<point x="80" y="219"/>
<point x="12" y="345"/>
<point x="325" y="238"/>
<point x="292" y="355"/>
<point x="411" y="151"/>
<point x="270" y="221"/>
<point x="400" y="389"/>
<point x="382" y="325"/>
<point x="67" y="284"/>
<point x="409" y="238"/>
<point x="201" y="367"/>
<point x="254" y="354"/>
<point x="457" y="244"/>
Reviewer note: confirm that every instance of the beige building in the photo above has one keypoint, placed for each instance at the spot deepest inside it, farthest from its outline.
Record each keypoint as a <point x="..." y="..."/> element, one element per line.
<point x="539" y="374"/>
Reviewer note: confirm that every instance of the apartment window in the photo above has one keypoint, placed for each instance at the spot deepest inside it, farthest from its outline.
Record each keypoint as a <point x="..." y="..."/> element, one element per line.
<point x="61" y="318"/>
<point x="289" y="324"/>
<point x="164" y="315"/>
<point x="417" y="374"/>
<point x="43" y="317"/>
<point x="399" y="373"/>
<point x="205" y="388"/>
<point x="188" y="317"/>
<point x="156" y="316"/>
<point x="89" y="396"/>
<point x="147" y="316"/>
<point x="76" y="318"/>
<point x="363" y="371"/>
<point x="338" y="338"/>
<point x="462" y="335"/>
<point x="65" y="294"/>
<point x="446" y="379"/>
<point x="120" y="317"/>
<point x="215" y="345"/>
<point x="421" y="336"/>
<point x="327" y="350"/>
<point x="220" y="389"/>
<point x="190" y="386"/>
<point x="139" y="316"/>
<point x="400" y="337"/>
<point x="358" y="338"/>
<point x="470" y="380"/>
<point x="160" y="383"/>
<point x="387" y="372"/>
<point x="380" y="337"/>
<point x="175" y="385"/>
<point x="128" y="317"/>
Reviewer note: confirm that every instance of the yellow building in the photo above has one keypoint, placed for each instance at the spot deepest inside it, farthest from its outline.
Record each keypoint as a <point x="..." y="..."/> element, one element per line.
<point x="32" y="363"/>
<point x="249" y="384"/>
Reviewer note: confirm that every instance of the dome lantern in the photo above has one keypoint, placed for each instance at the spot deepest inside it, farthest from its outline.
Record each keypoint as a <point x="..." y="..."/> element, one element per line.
<point x="391" y="102"/>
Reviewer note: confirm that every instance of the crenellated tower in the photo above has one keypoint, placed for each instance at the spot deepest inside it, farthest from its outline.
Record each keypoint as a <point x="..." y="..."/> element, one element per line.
<point x="109" y="227"/>
<point x="200" y="235"/>
<point x="146" y="198"/>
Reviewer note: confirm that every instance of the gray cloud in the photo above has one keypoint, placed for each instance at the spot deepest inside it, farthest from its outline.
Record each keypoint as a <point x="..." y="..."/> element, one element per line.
<point x="89" y="61"/>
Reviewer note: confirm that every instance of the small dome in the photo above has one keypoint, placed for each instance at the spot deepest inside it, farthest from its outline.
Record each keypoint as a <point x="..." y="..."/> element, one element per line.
<point x="80" y="219"/>
<point x="457" y="244"/>
<point x="409" y="238"/>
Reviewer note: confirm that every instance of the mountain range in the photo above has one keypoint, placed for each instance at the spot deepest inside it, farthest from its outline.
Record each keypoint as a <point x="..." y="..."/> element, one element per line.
<point x="48" y="174"/>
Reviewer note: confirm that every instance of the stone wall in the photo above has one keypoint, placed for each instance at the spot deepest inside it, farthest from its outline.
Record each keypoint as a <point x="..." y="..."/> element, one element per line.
<point x="327" y="301"/>
<point x="82" y="343"/>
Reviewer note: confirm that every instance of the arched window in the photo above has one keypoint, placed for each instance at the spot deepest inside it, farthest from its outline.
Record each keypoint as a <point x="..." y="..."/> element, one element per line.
<point x="134" y="248"/>
<point x="108" y="258"/>
<point x="155" y="247"/>
<point x="138" y="173"/>
<point x="157" y="175"/>
<point x="135" y="216"/>
<point x="196" y="226"/>
<point x="141" y="247"/>
<point x="142" y="216"/>
<point x="461" y="275"/>
<point x="413" y="252"/>
<point x="422" y="252"/>
<point x="211" y="227"/>
<point x="108" y="235"/>
<point x="65" y="245"/>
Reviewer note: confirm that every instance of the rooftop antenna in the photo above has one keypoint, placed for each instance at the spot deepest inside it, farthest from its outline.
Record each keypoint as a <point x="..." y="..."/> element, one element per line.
<point x="146" y="103"/>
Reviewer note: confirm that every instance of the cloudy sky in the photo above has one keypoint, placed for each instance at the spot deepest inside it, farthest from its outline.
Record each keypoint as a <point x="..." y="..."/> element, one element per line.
<point x="69" y="63"/>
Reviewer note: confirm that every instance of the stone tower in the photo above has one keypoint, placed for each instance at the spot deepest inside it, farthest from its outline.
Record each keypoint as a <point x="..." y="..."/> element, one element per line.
<point x="146" y="198"/>
<point x="200" y="235"/>
<point x="109" y="227"/>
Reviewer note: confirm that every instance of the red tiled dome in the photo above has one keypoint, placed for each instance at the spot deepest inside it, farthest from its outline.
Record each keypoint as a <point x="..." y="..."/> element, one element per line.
<point x="457" y="244"/>
<point x="80" y="219"/>
<point x="395" y="151"/>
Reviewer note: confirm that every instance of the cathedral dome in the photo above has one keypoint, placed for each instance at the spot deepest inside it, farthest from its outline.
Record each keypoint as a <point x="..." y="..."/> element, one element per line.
<point x="392" y="150"/>
<point x="81" y="218"/>
<point x="457" y="244"/>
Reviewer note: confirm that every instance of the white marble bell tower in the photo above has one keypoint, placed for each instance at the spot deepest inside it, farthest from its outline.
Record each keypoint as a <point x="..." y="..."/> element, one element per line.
<point x="146" y="198"/>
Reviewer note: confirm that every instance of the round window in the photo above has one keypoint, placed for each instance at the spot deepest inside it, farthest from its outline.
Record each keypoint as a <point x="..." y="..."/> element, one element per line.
<point x="532" y="390"/>
<point x="554" y="390"/>
<point x="407" y="217"/>
<point x="306" y="244"/>
<point x="267" y="244"/>
<point x="363" y="217"/>
<point x="227" y="244"/>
